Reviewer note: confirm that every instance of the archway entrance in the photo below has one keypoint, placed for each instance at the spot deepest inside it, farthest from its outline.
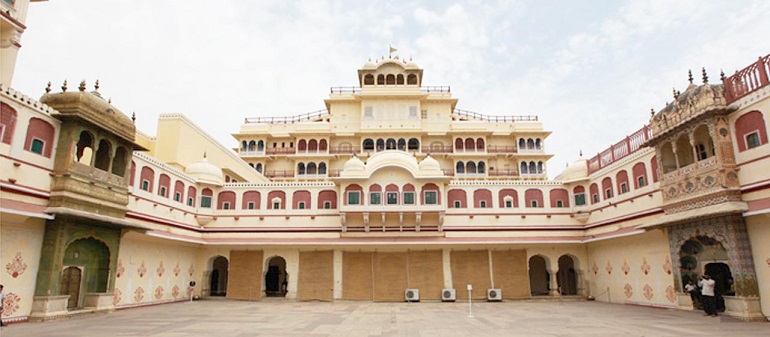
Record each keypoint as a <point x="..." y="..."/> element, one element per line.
<point x="566" y="278"/>
<point x="538" y="276"/>
<point x="694" y="254"/>
<point x="276" y="279"/>
<point x="720" y="272"/>
<point x="218" y="285"/>
<point x="70" y="285"/>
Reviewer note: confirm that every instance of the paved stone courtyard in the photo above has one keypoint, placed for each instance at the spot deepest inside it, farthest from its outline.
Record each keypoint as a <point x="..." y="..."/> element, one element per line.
<point x="280" y="318"/>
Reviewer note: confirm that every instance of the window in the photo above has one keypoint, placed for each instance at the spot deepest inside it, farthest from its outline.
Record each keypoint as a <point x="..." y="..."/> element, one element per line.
<point x="457" y="203"/>
<point x="354" y="198"/>
<point x="189" y="201"/>
<point x="559" y="203"/>
<point x="534" y="203"/>
<point x="702" y="154"/>
<point x="392" y="198"/>
<point x="162" y="191"/>
<point x="752" y="140"/>
<point x="641" y="181"/>
<point x="580" y="199"/>
<point x="595" y="198"/>
<point x="509" y="204"/>
<point x="251" y="205"/>
<point x="408" y="198"/>
<point x="413" y="112"/>
<point x="205" y="201"/>
<point x="301" y="205"/>
<point x="225" y="205"/>
<point x="608" y="193"/>
<point x="327" y="204"/>
<point x="483" y="204"/>
<point x="375" y="198"/>
<point x="177" y="196"/>
<point x="424" y="114"/>
<point x="145" y="185"/>
<point x="431" y="197"/>
<point x="276" y="205"/>
<point x="623" y="188"/>
<point x="37" y="146"/>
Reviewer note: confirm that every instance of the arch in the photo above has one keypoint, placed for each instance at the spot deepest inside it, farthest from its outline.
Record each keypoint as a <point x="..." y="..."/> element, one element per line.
<point x="103" y="155"/>
<point x="566" y="277"/>
<point x="533" y="198"/>
<point x="179" y="191"/>
<point x="301" y="169"/>
<point x="639" y="171"/>
<point x="750" y="130"/>
<point x="539" y="277"/>
<point x="251" y="200"/>
<point x="276" y="278"/>
<point x="429" y="187"/>
<point x="84" y="148"/>
<point x="327" y="198"/>
<point x="273" y="195"/>
<point x="302" y="145"/>
<point x="258" y="167"/>
<point x="696" y="253"/>
<point x="470" y="167"/>
<point x="538" y="144"/>
<point x="470" y="144"/>
<point x="301" y="200"/>
<point x="323" y="145"/>
<point x="522" y="144"/>
<point x="39" y="138"/>
<point x="368" y="144"/>
<point x="146" y="179"/>
<point x="532" y="168"/>
<point x="322" y="168"/>
<point x="594" y="191"/>
<point x="311" y="168"/>
<point x="459" y="144"/>
<point x="164" y="185"/>
<point x="218" y="277"/>
<point x="92" y="257"/>
<point x="312" y="145"/>
<point x="244" y="146"/>
<point x="411" y="79"/>
<point x="558" y="194"/>
<point x="390" y="79"/>
<point x="481" y="168"/>
<point x="352" y="189"/>
<point x="261" y="146"/>
<point x="607" y="191"/>
<point x="368" y="79"/>
<point x="380" y="144"/>
<point x="402" y="144"/>
<point x="460" y="167"/>
<point x="252" y="146"/>
<point x="621" y="179"/>
<point x="508" y="195"/>
<point x="482" y="195"/>
<point x="226" y="200"/>
<point x="413" y="144"/>
<point x="120" y="161"/>
<point x="380" y="79"/>
<point x="579" y="193"/>
<point x="8" y="116"/>
<point x="399" y="79"/>
<point x="524" y="168"/>
<point x="684" y="151"/>
<point x="480" y="144"/>
<point x="540" y="167"/>
<point x="71" y="280"/>
<point x="390" y="144"/>
<point x="192" y="196"/>
<point x="530" y="144"/>
<point x="457" y="198"/>
<point x="704" y="145"/>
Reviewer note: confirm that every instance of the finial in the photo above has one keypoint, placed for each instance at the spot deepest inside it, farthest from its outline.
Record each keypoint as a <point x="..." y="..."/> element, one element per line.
<point x="370" y="59"/>
<point x="82" y="86"/>
<point x="689" y="75"/>
<point x="133" y="117"/>
<point x="652" y="111"/>
<point x="581" y="153"/>
<point x="64" y="87"/>
<point x="204" y="154"/>
<point x="48" y="88"/>
<point x="676" y="95"/>
<point x="109" y="100"/>
<point x="705" y="77"/>
<point x="96" y="85"/>
<point x="721" y="74"/>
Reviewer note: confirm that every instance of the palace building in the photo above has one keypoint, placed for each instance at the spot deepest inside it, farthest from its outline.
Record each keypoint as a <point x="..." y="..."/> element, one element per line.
<point x="390" y="193"/>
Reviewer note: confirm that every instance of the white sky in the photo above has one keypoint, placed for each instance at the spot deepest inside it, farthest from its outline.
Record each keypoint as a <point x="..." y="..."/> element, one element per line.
<point x="591" y="70"/>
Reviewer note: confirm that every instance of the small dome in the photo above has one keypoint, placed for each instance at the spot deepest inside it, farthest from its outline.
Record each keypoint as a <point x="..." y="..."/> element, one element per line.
<point x="411" y="65"/>
<point x="354" y="165"/>
<point x="575" y="171"/>
<point x="429" y="164"/>
<point x="205" y="172"/>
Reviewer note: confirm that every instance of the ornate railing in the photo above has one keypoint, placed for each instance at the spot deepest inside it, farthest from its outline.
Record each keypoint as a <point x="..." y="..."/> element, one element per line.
<point x="620" y="149"/>
<point x="279" y="174"/>
<point x="487" y="118"/>
<point x="747" y="80"/>
<point x="318" y="114"/>
<point x="344" y="150"/>
<point x="437" y="149"/>
<point x="280" y="150"/>
<point x="501" y="149"/>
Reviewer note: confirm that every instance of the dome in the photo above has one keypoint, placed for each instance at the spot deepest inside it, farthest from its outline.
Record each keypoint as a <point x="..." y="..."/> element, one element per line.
<point x="429" y="164"/>
<point x="575" y="171"/>
<point x="354" y="165"/>
<point x="205" y="172"/>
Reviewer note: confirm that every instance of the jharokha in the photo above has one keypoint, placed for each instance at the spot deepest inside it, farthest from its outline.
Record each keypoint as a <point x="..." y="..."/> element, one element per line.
<point x="389" y="193"/>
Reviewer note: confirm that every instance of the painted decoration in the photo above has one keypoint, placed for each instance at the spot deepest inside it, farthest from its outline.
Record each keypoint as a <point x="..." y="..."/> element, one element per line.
<point x="160" y="269"/>
<point x="608" y="268"/>
<point x="629" y="290"/>
<point x="120" y="269"/>
<point x="645" y="266"/>
<point x="647" y="292"/>
<point x="158" y="292"/>
<point x="141" y="269"/>
<point x="10" y="304"/>
<point x="595" y="268"/>
<point x="138" y="295"/>
<point x="177" y="270"/>
<point x="117" y="296"/>
<point x="670" y="294"/>
<point x="191" y="270"/>
<point x="16" y="267"/>
<point x="175" y="291"/>
<point x="626" y="268"/>
<point x="667" y="267"/>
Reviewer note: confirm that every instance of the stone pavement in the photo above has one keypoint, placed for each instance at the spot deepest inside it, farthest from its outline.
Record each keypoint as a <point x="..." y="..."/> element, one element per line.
<point x="286" y="318"/>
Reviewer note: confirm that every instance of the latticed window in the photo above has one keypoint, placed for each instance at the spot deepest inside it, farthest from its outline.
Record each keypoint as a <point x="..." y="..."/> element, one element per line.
<point x="431" y="197"/>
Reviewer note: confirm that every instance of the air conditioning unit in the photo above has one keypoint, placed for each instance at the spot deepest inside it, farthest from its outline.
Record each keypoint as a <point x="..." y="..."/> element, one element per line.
<point x="448" y="295"/>
<point x="412" y="295"/>
<point x="494" y="295"/>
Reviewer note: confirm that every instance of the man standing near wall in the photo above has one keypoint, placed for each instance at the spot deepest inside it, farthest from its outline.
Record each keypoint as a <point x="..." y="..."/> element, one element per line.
<point x="707" y="285"/>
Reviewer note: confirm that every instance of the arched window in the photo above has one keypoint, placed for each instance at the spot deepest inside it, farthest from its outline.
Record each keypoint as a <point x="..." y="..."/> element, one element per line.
<point x="302" y="145"/>
<point x="482" y="167"/>
<point x="457" y="198"/>
<point x="368" y="144"/>
<point x="39" y="138"/>
<point x="321" y="168"/>
<point x="594" y="190"/>
<point x="508" y="198"/>
<point x="252" y="146"/>
<point x="380" y="79"/>
<point x="8" y="117"/>
<point x="750" y="131"/>
<point x="524" y="169"/>
<point x="540" y="167"/>
<point x="413" y="144"/>
<point x="251" y="200"/>
<point x="244" y="146"/>
<point x="621" y="179"/>
<point x="704" y="145"/>
<point x="400" y="79"/>
<point x="390" y="144"/>
<point x="607" y="188"/>
<point x="390" y="79"/>
<point x="482" y="198"/>
<point x="261" y="146"/>
<point x="84" y="148"/>
<point x="530" y="144"/>
<point x="470" y="167"/>
<point x="411" y="79"/>
<point x="640" y="175"/>
<point x="369" y="79"/>
<point x="684" y="151"/>
<point x="522" y="144"/>
<point x="460" y="168"/>
<point x="532" y="167"/>
<point x="146" y="178"/>
<point x="669" y="160"/>
<point x="312" y="145"/>
<point x="259" y="167"/>
<point x="480" y="144"/>
<point x="380" y="144"/>
<point x="559" y="198"/>
<point x="322" y="145"/>
<point x="102" y="160"/>
<point x="301" y="168"/>
<point x="469" y="144"/>
<point x="402" y="144"/>
<point x="533" y="198"/>
<point x="120" y="161"/>
<point x="458" y="144"/>
<point x="311" y="168"/>
<point x="538" y="144"/>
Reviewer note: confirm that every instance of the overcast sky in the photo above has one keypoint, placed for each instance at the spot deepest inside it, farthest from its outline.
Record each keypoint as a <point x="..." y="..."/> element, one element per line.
<point x="591" y="70"/>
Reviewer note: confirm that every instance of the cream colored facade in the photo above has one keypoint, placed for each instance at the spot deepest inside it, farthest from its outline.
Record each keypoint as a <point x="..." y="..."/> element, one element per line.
<point x="389" y="188"/>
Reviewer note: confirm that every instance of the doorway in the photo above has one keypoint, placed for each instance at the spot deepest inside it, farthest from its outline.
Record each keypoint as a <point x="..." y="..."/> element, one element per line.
<point x="720" y="272"/>
<point x="539" y="277"/>
<point x="70" y="285"/>
<point x="218" y="281"/>
<point x="567" y="277"/>
<point x="276" y="279"/>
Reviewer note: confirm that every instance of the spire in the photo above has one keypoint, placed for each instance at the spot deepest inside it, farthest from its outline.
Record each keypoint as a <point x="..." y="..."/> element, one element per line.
<point x="676" y="94"/>
<point x="689" y="75"/>
<point x="82" y="86"/>
<point x="64" y="86"/>
<point x="96" y="85"/>
<point x="721" y="74"/>
<point x="652" y="111"/>
<point x="705" y="77"/>
<point x="48" y="88"/>
<point x="133" y="117"/>
<point x="581" y="153"/>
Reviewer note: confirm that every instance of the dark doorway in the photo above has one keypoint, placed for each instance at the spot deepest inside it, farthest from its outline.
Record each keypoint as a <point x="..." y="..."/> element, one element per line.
<point x="539" y="277"/>
<point x="276" y="279"/>
<point x="219" y="277"/>
<point x="70" y="285"/>
<point x="566" y="277"/>
<point x="720" y="272"/>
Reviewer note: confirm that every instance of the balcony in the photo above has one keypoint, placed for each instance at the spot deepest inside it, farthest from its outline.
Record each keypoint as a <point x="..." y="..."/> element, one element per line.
<point x="279" y="174"/>
<point x="344" y="150"/>
<point x="502" y="149"/>
<point x="503" y="173"/>
<point x="437" y="149"/>
<point x="620" y="149"/>
<point x="318" y="116"/>
<point x="465" y="115"/>
<point x="747" y="80"/>
<point x="280" y="151"/>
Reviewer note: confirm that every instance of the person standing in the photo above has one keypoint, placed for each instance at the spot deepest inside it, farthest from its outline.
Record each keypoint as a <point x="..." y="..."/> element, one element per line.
<point x="694" y="292"/>
<point x="707" y="285"/>
<point x="2" y="299"/>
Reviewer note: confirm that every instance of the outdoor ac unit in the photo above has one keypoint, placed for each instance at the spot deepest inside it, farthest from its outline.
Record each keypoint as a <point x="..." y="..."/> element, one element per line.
<point x="448" y="295"/>
<point x="412" y="295"/>
<point x="494" y="295"/>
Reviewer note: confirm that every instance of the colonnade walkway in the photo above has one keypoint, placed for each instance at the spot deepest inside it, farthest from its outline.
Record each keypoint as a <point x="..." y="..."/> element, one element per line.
<point x="342" y="318"/>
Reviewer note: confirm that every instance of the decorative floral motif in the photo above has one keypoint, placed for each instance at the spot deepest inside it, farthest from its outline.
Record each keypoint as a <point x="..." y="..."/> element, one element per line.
<point x="10" y="304"/>
<point x="158" y="292"/>
<point x="647" y="292"/>
<point x="160" y="269"/>
<point x="175" y="291"/>
<point x="629" y="290"/>
<point x="608" y="268"/>
<point x="17" y="267"/>
<point x="768" y="261"/>
<point x="670" y="294"/>
<point x="177" y="269"/>
<point x="117" y="296"/>
<point x="119" y="270"/>
<point x="138" y="295"/>
<point x="141" y="269"/>
<point x="595" y="268"/>
<point x="645" y="266"/>
<point x="191" y="270"/>
<point x="625" y="267"/>
<point x="667" y="267"/>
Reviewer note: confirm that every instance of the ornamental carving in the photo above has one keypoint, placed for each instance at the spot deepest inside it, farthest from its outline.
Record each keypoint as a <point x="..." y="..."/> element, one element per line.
<point x="628" y="290"/>
<point x="625" y="268"/>
<point x="117" y="296"/>
<point x="141" y="270"/>
<point x="158" y="293"/>
<point x="119" y="270"/>
<point x="160" y="269"/>
<point x="645" y="266"/>
<point x="16" y="267"/>
<point x="670" y="294"/>
<point x="175" y="291"/>
<point x="10" y="304"/>
<point x="138" y="295"/>
<point x="608" y="268"/>
<point x="647" y="292"/>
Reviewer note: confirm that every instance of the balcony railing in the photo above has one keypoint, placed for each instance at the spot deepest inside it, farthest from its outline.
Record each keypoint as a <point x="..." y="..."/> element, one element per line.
<point x="501" y="149"/>
<point x="344" y="150"/>
<point x="279" y="174"/>
<point x="318" y="114"/>
<point x="437" y="149"/>
<point x="498" y="119"/>
<point x="620" y="149"/>
<point x="280" y="150"/>
<point x="747" y="80"/>
<point x="503" y="173"/>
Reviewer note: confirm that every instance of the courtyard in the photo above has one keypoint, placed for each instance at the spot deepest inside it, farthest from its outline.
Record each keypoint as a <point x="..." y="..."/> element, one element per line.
<point x="285" y="318"/>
